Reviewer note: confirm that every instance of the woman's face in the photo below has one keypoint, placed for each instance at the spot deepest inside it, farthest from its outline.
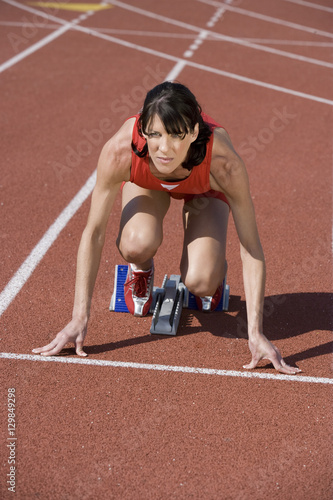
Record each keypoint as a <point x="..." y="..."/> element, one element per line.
<point x="167" y="151"/>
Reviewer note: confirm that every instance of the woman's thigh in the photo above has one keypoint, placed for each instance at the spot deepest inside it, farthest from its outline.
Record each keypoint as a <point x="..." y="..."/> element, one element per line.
<point x="203" y="264"/>
<point x="141" y="224"/>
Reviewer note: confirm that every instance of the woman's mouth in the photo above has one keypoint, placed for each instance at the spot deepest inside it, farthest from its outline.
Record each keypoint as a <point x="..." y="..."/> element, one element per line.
<point x="164" y="159"/>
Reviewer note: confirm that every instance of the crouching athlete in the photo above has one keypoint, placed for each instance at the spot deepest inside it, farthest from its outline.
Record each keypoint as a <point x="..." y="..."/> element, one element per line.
<point x="172" y="149"/>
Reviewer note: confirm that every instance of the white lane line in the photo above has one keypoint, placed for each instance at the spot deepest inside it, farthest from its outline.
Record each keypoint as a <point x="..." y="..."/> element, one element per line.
<point x="36" y="46"/>
<point x="216" y="17"/>
<point x="269" y="19"/>
<point x="166" y="368"/>
<point x="176" y="70"/>
<point x="26" y="24"/>
<point x="159" y="34"/>
<point x="311" y="5"/>
<point x="204" y="34"/>
<point x="196" y="44"/>
<point x="237" y="41"/>
<point x="29" y="265"/>
<point x="301" y="43"/>
<point x="169" y="57"/>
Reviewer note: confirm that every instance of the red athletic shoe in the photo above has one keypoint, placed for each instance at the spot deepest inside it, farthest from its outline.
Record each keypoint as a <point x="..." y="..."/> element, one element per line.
<point x="138" y="290"/>
<point x="210" y="303"/>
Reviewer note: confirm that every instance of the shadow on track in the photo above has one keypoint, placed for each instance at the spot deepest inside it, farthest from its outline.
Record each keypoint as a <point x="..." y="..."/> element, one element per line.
<point x="285" y="316"/>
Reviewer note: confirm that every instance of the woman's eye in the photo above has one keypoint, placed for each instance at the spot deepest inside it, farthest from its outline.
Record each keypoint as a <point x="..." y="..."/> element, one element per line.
<point x="154" y="135"/>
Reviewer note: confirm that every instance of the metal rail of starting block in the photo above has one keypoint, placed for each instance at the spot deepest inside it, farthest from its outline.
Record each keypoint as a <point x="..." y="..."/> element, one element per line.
<point x="168" y="301"/>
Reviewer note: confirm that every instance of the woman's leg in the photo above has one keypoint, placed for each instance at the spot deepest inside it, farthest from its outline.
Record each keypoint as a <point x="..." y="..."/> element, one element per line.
<point x="140" y="235"/>
<point x="203" y="264"/>
<point x="141" y="225"/>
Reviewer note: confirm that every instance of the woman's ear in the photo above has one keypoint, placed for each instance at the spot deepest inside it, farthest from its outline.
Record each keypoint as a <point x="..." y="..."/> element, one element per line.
<point x="195" y="132"/>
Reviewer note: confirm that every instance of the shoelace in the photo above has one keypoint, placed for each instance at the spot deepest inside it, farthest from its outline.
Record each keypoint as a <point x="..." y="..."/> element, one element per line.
<point x="140" y="282"/>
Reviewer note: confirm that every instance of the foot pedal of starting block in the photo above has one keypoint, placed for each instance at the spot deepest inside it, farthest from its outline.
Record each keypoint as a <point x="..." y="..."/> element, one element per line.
<point x="118" y="303"/>
<point x="168" y="307"/>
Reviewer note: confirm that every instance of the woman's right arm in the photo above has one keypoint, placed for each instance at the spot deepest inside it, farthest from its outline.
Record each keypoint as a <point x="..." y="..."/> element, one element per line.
<point x="113" y="168"/>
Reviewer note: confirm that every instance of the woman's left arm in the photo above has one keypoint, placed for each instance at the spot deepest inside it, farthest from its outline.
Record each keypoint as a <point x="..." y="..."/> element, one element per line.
<point x="229" y="175"/>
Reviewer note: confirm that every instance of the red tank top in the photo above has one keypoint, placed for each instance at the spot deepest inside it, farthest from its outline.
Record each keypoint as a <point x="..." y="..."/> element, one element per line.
<point x="198" y="180"/>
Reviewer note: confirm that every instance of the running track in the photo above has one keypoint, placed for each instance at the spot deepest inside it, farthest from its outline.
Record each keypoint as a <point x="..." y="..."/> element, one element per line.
<point x="152" y="417"/>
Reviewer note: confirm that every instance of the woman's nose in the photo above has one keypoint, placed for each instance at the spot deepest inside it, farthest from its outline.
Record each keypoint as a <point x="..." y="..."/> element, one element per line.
<point x="164" y="144"/>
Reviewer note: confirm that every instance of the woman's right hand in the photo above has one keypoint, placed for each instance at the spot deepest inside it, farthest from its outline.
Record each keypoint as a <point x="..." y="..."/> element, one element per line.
<point x="74" y="332"/>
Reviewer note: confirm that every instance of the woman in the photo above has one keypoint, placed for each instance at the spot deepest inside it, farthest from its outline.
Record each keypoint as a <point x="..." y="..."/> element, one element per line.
<point x="172" y="149"/>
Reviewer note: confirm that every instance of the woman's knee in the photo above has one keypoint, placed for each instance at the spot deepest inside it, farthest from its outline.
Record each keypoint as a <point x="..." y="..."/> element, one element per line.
<point x="203" y="282"/>
<point x="138" y="245"/>
<point x="200" y="285"/>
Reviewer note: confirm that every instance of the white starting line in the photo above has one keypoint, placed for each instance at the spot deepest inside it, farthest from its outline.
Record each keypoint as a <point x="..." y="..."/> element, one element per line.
<point x="165" y="368"/>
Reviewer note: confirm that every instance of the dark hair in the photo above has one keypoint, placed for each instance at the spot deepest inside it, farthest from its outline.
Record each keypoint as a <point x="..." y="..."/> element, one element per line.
<point x="179" y="112"/>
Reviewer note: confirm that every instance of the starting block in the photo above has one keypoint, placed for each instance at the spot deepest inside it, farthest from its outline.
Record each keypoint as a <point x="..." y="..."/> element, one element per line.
<point x="168" y="306"/>
<point x="118" y="303"/>
<point x="168" y="301"/>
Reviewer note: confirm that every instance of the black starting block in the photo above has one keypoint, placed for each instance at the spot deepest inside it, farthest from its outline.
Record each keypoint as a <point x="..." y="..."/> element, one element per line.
<point x="168" y="301"/>
<point x="168" y="306"/>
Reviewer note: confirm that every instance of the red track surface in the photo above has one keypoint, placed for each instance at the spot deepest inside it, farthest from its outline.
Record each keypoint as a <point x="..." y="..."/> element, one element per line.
<point x="101" y="432"/>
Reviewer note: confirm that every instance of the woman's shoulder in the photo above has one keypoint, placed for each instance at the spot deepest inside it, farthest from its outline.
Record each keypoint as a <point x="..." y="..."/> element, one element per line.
<point x="120" y="143"/>
<point x="116" y="156"/>
<point x="222" y="145"/>
<point x="226" y="164"/>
